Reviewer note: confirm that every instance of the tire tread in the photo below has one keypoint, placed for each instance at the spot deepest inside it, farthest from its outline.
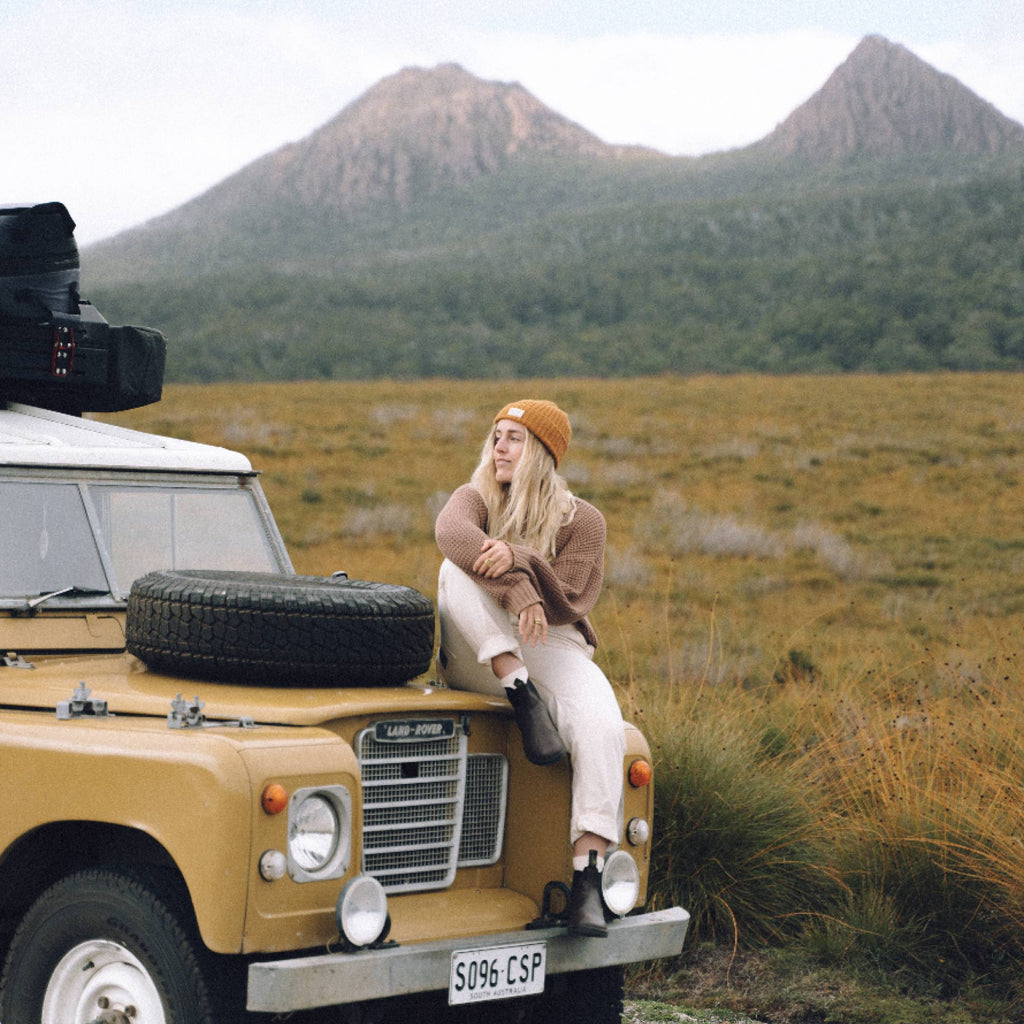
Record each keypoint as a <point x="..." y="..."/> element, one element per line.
<point x="265" y="629"/>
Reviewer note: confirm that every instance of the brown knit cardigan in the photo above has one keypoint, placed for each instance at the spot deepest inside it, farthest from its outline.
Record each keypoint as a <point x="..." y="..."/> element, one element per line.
<point x="568" y="587"/>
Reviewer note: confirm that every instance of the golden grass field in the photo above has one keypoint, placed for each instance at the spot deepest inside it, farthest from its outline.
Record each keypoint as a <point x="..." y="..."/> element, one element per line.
<point x="814" y="607"/>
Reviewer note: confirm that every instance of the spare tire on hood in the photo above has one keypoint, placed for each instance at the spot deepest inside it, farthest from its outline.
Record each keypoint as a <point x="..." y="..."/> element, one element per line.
<point x="276" y="630"/>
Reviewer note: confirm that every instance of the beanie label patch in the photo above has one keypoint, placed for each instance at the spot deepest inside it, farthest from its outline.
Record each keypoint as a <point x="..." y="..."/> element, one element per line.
<point x="515" y="411"/>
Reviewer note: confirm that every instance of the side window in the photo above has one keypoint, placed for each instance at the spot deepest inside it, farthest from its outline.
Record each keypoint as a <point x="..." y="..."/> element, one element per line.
<point x="46" y="542"/>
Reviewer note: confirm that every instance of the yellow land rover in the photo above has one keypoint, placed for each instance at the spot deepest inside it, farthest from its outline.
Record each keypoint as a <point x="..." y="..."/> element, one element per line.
<point x="234" y="791"/>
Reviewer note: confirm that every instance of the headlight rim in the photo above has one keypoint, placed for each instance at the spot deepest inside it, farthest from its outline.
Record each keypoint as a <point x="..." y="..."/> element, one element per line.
<point x="339" y="801"/>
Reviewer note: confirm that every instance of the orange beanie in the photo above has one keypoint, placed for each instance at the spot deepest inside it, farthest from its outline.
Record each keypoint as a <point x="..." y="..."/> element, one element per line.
<point x="544" y="420"/>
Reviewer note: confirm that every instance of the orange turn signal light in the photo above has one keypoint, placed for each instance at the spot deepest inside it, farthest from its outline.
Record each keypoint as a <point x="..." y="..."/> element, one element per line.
<point x="275" y="798"/>
<point x="640" y="773"/>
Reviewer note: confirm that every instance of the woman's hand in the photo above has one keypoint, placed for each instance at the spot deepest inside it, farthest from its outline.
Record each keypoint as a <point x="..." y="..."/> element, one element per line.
<point x="495" y="559"/>
<point x="533" y="624"/>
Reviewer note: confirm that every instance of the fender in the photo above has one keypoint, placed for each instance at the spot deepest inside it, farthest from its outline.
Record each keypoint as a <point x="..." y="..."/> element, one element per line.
<point x="191" y="790"/>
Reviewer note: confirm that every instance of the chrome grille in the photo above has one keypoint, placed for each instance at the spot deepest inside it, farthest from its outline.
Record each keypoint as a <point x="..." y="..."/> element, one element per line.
<point x="483" y="819"/>
<point x="428" y="808"/>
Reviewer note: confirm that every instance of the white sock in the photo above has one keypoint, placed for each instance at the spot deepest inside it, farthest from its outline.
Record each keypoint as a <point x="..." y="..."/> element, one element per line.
<point x="510" y="679"/>
<point x="580" y="862"/>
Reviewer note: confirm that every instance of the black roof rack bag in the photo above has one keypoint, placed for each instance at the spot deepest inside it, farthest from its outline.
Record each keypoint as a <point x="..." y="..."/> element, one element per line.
<point x="38" y="261"/>
<point x="56" y="350"/>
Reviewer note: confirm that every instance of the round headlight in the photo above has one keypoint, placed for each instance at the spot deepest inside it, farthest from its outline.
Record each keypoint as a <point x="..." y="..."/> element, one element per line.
<point x="362" y="911"/>
<point x="620" y="883"/>
<point x="313" y="832"/>
<point x="319" y="833"/>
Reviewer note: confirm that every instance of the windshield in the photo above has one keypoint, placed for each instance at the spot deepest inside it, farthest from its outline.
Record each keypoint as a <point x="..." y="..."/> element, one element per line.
<point x="103" y="536"/>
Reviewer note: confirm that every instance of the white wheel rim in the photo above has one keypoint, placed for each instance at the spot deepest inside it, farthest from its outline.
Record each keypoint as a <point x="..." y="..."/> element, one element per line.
<point x="97" y="978"/>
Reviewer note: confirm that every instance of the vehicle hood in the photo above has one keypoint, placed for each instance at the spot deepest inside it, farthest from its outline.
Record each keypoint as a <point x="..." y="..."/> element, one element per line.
<point x="130" y="688"/>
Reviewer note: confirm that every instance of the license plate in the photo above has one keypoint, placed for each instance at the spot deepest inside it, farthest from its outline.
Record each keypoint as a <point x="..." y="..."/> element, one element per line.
<point x="498" y="972"/>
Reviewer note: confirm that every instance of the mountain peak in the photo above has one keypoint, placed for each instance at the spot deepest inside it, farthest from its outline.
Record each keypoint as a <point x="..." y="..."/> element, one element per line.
<point x="415" y="131"/>
<point x="883" y="101"/>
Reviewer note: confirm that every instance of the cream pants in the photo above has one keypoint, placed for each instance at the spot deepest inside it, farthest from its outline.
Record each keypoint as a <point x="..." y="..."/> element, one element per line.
<point x="475" y="628"/>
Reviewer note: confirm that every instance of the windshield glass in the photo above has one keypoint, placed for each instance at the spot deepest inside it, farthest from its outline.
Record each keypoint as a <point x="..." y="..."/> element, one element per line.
<point x="102" y="536"/>
<point x="45" y="541"/>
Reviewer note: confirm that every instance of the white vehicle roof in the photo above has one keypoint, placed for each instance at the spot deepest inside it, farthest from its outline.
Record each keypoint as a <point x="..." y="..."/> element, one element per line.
<point x="39" y="437"/>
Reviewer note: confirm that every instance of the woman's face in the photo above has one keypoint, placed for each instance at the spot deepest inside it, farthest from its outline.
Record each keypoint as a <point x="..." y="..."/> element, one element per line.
<point x="509" y="443"/>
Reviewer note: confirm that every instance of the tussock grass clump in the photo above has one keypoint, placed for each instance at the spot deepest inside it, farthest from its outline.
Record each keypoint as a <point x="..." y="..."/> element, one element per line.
<point x="735" y="843"/>
<point x="683" y="530"/>
<point x="387" y="519"/>
<point x="923" y="789"/>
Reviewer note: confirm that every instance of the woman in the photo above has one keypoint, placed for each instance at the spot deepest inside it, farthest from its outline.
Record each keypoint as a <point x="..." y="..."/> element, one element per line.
<point x="523" y="567"/>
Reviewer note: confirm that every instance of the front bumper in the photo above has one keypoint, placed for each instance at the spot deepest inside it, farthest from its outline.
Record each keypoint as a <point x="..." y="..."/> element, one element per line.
<point x="279" y="986"/>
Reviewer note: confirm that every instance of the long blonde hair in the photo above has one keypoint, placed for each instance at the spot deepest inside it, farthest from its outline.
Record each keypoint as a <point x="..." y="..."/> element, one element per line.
<point x="534" y="506"/>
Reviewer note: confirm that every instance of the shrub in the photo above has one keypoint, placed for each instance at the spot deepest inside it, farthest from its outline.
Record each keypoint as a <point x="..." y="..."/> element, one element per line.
<point x="736" y="842"/>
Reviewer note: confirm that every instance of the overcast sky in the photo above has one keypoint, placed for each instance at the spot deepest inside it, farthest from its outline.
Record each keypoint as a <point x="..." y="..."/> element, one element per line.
<point x="124" y="109"/>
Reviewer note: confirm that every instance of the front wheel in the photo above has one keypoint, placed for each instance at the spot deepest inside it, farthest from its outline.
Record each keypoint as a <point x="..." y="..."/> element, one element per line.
<point x="583" y="997"/>
<point x="103" y="946"/>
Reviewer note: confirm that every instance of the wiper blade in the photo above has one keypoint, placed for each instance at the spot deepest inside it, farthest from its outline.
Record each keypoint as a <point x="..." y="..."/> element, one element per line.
<point x="33" y="603"/>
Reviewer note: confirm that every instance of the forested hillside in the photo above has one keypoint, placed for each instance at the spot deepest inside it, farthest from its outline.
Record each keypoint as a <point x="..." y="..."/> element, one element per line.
<point x="908" y="276"/>
<point x="442" y="225"/>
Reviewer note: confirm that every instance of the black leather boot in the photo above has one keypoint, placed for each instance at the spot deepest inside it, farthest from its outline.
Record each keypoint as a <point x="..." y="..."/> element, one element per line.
<point x="586" y="909"/>
<point x="541" y="741"/>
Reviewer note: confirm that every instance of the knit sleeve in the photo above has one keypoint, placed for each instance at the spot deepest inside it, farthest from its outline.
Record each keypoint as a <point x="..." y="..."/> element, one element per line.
<point x="568" y="587"/>
<point x="461" y="527"/>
